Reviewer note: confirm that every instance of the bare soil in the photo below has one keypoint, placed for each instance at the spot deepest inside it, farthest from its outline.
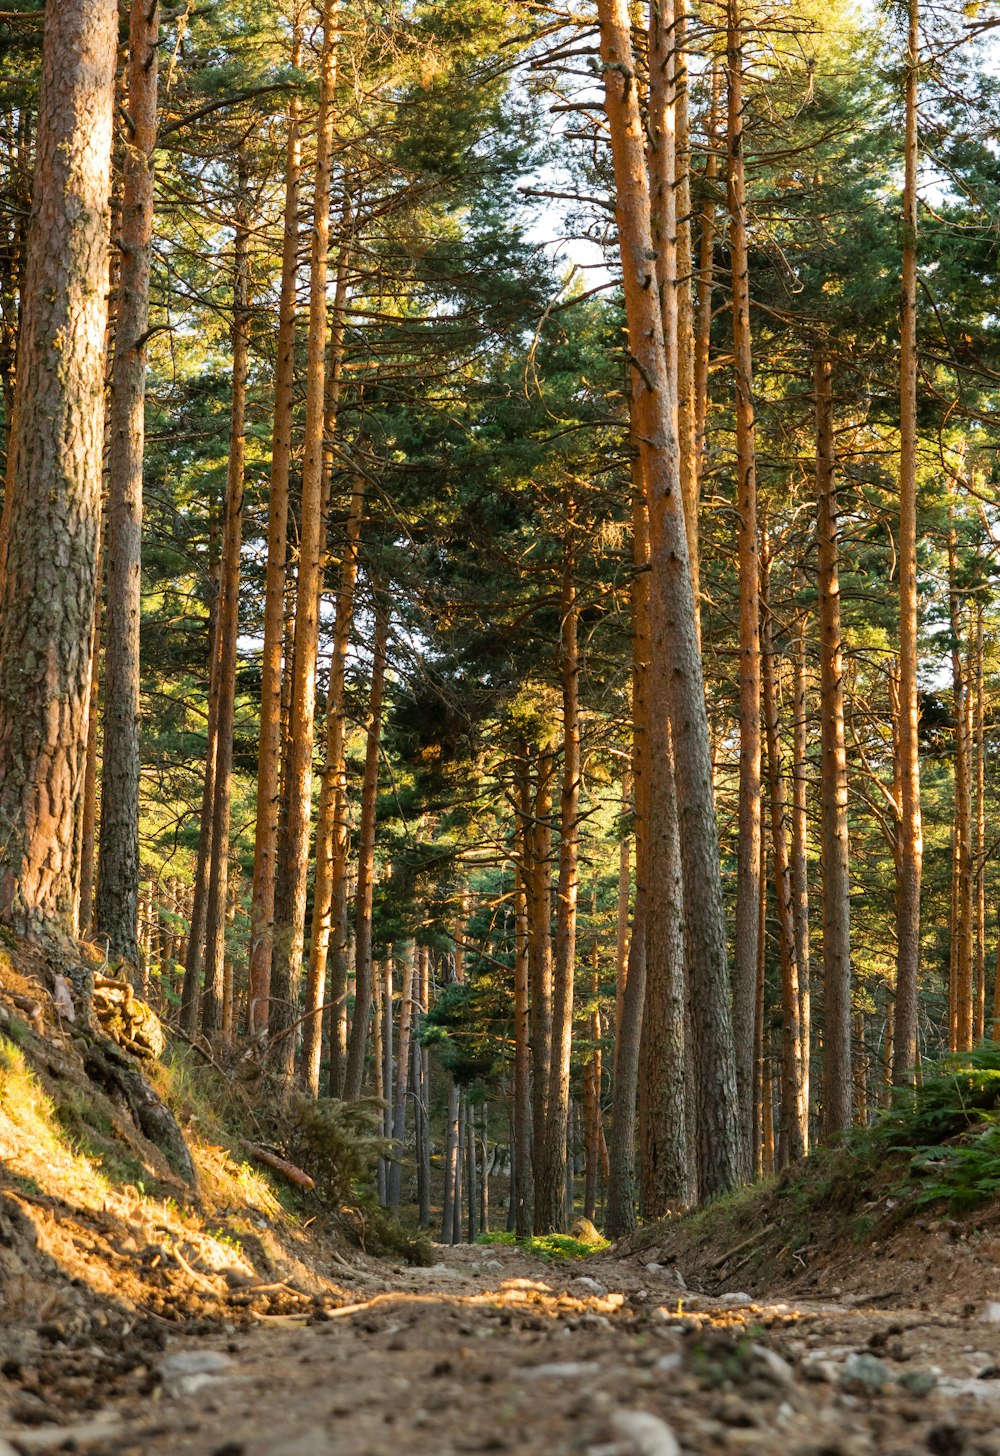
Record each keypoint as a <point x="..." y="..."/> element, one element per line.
<point x="490" y="1350"/>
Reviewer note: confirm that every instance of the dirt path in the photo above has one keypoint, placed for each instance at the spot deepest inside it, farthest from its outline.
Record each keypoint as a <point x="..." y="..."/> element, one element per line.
<point x="490" y="1351"/>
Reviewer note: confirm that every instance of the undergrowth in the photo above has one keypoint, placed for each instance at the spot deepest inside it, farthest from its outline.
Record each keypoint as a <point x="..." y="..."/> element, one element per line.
<point x="547" y="1246"/>
<point x="949" y="1129"/>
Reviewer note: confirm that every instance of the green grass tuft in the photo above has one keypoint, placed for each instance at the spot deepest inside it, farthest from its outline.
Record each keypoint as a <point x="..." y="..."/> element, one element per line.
<point x="547" y="1246"/>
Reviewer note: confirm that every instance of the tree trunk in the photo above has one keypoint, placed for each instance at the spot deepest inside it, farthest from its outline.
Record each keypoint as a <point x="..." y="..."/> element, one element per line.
<point x="706" y="271"/>
<point x="622" y="1189"/>
<point x="980" y="857"/>
<point x="748" y="888"/>
<point x="194" y="960"/>
<point x="909" y="850"/>
<point x="402" y="1075"/>
<point x="52" y="509"/>
<point x="290" y="898"/>
<point x="88" y="816"/>
<point x="331" y="823"/>
<point x="269" y="745"/>
<point x="355" y="1069"/>
<point x="522" y="1181"/>
<point x="794" y="1127"/>
<point x="551" y="1180"/>
<point x="212" y="1017"/>
<point x="800" y="835"/>
<point x="118" y="854"/>
<point x="540" y="962"/>
<point x="833" y="781"/>
<point x="962" y="958"/>
<point x="720" y="1148"/>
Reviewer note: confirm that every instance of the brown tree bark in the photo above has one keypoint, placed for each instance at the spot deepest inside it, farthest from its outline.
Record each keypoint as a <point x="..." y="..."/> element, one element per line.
<point x="748" y="887"/>
<point x="909" y="847"/>
<point x="52" y="509"/>
<point x="331" y="822"/>
<point x="800" y="833"/>
<point x="963" y="931"/>
<point x="402" y="1089"/>
<point x="358" y="1042"/>
<point x="979" y="732"/>
<point x="540" y="958"/>
<point x="620" y="1215"/>
<point x="550" y="1180"/>
<point x="705" y="287"/>
<point x="118" y="853"/>
<point x="522" y="1178"/>
<point x="720" y="1153"/>
<point x="194" y="958"/>
<point x="88" y="816"/>
<point x="833" y="780"/>
<point x="269" y="746"/>
<point x="794" y="1122"/>
<point x="290" y="898"/>
<point x="217" y="899"/>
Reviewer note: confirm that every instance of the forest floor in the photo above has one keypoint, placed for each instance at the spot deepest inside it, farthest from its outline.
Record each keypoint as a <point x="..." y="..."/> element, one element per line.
<point x="834" y="1312"/>
<point x="491" y="1349"/>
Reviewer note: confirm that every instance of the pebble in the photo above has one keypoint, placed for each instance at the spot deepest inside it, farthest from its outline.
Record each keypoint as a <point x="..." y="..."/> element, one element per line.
<point x="584" y="1285"/>
<point x="991" y="1313"/>
<point x="102" y="1428"/>
<point x="641" y="1434"/>
<point x="732" y="1301"/>
<point x="865" y="1373"/>
<point x="920" y="1381"/>
<point x="185" y="1372"/>
<point x="560" y="1370"/>
<point x="776" y="1366"/>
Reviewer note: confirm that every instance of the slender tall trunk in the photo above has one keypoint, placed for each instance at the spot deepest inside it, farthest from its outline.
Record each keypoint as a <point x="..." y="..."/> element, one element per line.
<point x="269" y="746"/>
<point x="540" y="960"/>
<point x="720" y="1148"/>
<point x="624" y="887"/>
<point x="705" y="288"/>
<point x="52" y="508"/>
<point x="909" y="847"/>
<point x="421" y="1081"/>
<point x="963" y="962"/>
<point x="357" y="1044"/>
<point x="687" y="420"/>
<point x="665" y="1172"/>
<point x="833" y="777"/>
<point x="194" y="958"/>
<point x="521" y="1172"/>
<point x="748" y="888"/>
<point x="794" y="1126"/>
<point x="402" y="1091"/>
<point x="290" y="904"/>
<point x="88" y="818"/>
<point x="592" y="1081"/>
<point x="212" y="1015"/>
<point x="550" y="1184"/>
<point x="979" y="732"/>
<point x="665" y="1179"/>
<point x="622" y="1188"/>
<point x="331" y="822"/>
<point x="118" y="853"/>
<point x="800" y="833"/>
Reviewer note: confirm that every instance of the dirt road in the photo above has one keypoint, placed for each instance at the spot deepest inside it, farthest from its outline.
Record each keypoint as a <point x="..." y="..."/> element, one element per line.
<point x="491" y="1351"/>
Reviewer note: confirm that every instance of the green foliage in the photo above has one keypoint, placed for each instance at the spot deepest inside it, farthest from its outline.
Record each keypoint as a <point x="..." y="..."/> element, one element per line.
<point x="949" y="1128"/>
<point x="336" y="1142"/>
<point x="547" y="1246"/>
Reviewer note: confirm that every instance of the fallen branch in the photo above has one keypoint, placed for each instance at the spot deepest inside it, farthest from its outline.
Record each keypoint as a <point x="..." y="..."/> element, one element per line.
<point x="746" y="1244"/>
<point x="280" y="1165"/>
